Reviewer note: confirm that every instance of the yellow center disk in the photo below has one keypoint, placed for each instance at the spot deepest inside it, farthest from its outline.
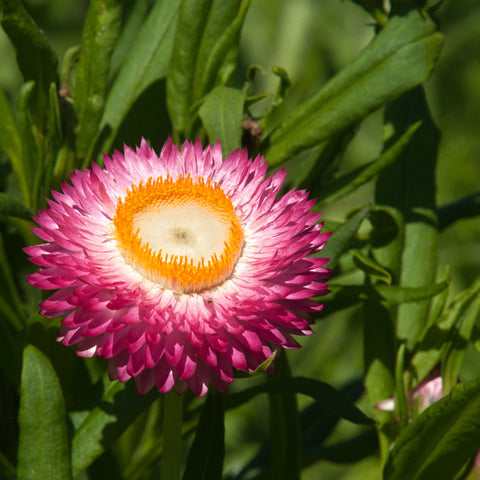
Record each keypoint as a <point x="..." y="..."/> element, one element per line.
<point x="183" y="234"/>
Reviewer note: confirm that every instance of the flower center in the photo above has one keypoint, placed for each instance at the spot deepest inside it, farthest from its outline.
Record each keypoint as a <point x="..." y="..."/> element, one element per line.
<point x="183" y="234"/>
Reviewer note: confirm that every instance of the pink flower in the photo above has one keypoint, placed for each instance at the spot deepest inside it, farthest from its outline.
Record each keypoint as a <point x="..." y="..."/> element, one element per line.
<point x="179" y="268"/>
<point x="426" y="393"/>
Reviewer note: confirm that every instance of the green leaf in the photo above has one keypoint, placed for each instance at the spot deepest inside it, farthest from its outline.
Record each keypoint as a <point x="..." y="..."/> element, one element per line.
<point x="345" y="296"/>
<point x="282" y="91"/>
<point x="222" y="51"/>
<point x="10" y="141"/>
<point x="327" y="396"/>
<point x="205" y="458"/>
<point x="285" y="437"/>
<point x="153" y="49"/>
<point x="222" y="115"/>
<point x="379" y="360"/>
<point x="398" y="295"/>
<point x="134" y="15"/>
<point x="338" y="188"/>
<point x="340" y="240"/>
<point x="52" y="144"/>
<point x="465" y="208"/>
<point x="370" y="267"/>
<point x="409" y="186"/>
<point x="317" y="424"/>
<point x="441" y="440"/>
<point x="262" y="369"/>
<point x="429" y="350"/>
<point x="13" y="208"/>
<point x="400" y="57"/>
<point x="207" y="31"/>
<point x="30" y="154"/>
<point x="457" y="344"/>
<point x="347" y="451"/>
<point x="116" y="410"/>
<point x="35" y="57"/>
<point x="43" y="450"/>
<point x="100" y="33"/>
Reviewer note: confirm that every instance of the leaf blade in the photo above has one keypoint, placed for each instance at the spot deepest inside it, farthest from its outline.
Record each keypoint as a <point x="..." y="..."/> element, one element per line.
<point x="399" y="58"/>
<point x="439" y="442"/>
<point x="43" y="446"/>
<point x="221" y="114"/>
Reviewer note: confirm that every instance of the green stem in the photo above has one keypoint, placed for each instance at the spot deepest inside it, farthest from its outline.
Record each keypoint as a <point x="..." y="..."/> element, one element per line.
<point x="172" y="436"/>
<point x="400" y="396"/>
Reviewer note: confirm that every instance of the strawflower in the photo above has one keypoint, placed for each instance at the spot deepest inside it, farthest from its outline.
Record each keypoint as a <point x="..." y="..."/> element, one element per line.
<point x="426" y="393"/>
<point x="179" y="268"/>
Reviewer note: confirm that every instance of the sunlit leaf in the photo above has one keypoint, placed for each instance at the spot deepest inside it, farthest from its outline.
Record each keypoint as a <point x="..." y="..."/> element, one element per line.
<point x="349" y="182"/>
<point x="370" y="267"/>
<point x="399" y="58"/>
<point x="153" y="48"/>
<point x="441" y="440"/>
<point x="208" y="30"/>
<point x="457" y="344"/>
<point x="341" y="238"/>
<point x="116" y="410"/>
<point x="43" y="450"/>
<point x="429" y="350"/>
<point x="100" y="33"/>
<point x="222" y="114"/>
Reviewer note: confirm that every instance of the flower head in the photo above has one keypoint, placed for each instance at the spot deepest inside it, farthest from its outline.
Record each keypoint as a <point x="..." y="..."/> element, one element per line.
<point x="180" y="267"/>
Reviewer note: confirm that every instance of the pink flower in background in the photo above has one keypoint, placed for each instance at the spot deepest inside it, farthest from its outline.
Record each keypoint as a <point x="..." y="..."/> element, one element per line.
<point x="426" y="393"/>
<point x="179" y="268"/>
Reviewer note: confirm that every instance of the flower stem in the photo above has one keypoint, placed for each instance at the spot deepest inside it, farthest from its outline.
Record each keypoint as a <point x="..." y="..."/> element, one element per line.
<point x="172" y="436"/>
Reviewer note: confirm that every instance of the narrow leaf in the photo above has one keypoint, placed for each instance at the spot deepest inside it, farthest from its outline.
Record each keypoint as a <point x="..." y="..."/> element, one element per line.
<point x="349" y="295"/>
<point x="43" y="450"/>
<point x="222" y="58"/>
<point x="352" y="450"/>
<point x="333" y="400"/>
<point x="370" y="267"/>
<point x="441" y="440"/>
<point x="282" y="91"/>
<point x="13" y="208"/>
<point x="118" y="407"/>
<point x="207" y="31"/>
<point x="349" y="182"/>
<point x="379" y="360"/>
<point x="10" y="141"/>
<point x="285" y="459"/>
<point x="409" y="185"/>
<point x="100" y="33"/>
<point x="397" y="295"/>
<point x="205" y="458"/>
<point x="35" y="57"/>
<point x="458" y="342"/>
<point x="30" y="154"/>
<point x="465" y="208"/>
<point x="153" y="48"/>
<point x="222" y="115"/>
<point x="341" y="238"/>
<point x="400" y="57"/>
<point x="429" y="350"/>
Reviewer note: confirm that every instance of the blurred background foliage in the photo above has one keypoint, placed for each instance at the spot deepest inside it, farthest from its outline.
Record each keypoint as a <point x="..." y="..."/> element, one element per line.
<point x="312" y="40"/>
